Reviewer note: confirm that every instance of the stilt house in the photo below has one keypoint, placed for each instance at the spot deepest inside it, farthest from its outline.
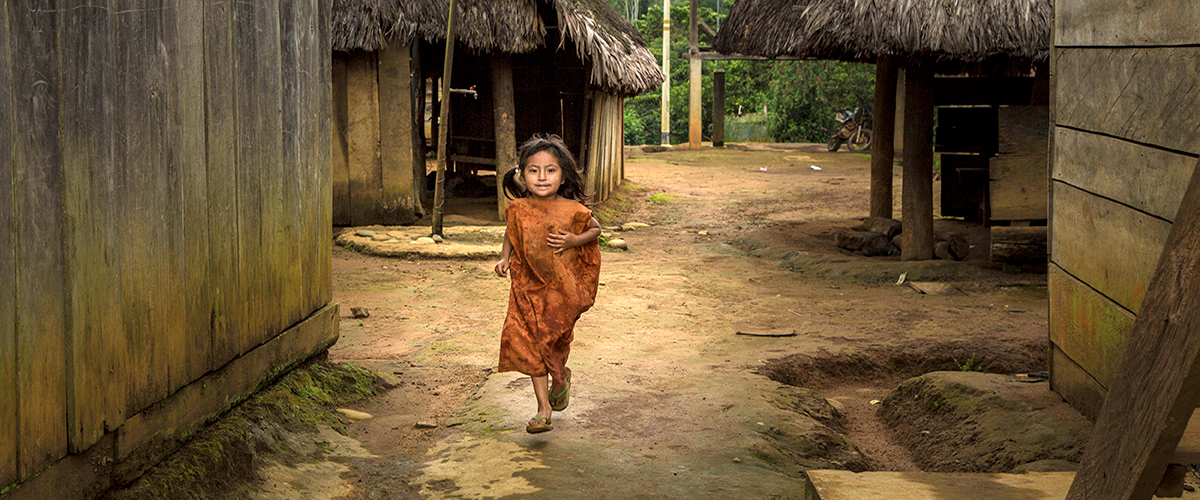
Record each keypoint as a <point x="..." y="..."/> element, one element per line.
<point x="990" y="97"/>
<point x="164" y="243"/>
<point x="520" y="67"/>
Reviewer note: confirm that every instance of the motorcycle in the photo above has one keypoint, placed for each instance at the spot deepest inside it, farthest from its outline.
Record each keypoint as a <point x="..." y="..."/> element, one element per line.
<point x="854" y="128"/>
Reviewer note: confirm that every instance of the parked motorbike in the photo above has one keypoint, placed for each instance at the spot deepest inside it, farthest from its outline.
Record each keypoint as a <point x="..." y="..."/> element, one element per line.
<point x="854" y="129"/>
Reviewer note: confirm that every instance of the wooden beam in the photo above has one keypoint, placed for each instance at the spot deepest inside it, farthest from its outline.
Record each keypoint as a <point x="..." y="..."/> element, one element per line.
<point x="917" y="198"/>
<point x="694" y="79"/>
<point x="718" y="117"/>
<point x="882" y="134"/>
<point x="1158" y="384"/>
<point x="8" y="295"/>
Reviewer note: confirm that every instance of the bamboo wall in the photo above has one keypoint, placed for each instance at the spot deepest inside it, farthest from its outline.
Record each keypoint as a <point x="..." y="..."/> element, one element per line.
<point x="164" y="168"/>
<point x="377" y="172"/>
<point x="605" y="155"/>
<point x="1124" y="142"/>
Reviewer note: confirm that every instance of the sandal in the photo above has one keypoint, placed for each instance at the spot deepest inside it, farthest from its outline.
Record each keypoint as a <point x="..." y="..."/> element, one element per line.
<point x="560" y="402"/>
<point x="538" y="424"/>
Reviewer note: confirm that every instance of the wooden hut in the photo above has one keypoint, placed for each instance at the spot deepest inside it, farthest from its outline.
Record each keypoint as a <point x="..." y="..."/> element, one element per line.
<point x="165" y="236"/>
<point x="990" y="99"/>
<point x="1124" y="145"/>
<point x="521" y="67"/>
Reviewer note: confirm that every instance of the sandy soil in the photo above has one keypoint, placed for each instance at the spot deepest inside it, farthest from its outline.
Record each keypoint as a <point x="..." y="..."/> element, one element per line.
<point x="668" y="401"/>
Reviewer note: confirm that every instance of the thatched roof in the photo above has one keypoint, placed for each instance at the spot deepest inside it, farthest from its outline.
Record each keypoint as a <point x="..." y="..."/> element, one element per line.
<point x="621" y="63"/>
<point x="949" y="31"/>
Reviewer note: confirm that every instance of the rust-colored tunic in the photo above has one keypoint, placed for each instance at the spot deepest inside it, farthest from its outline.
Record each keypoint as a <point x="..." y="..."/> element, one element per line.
<point x="549" y="291"/>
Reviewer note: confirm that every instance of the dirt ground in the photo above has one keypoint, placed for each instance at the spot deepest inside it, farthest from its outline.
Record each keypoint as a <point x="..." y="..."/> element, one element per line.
<point x="668" y="400"/>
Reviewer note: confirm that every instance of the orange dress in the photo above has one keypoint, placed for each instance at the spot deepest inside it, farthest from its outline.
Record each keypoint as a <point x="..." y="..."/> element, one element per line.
<point x="549" y="291"/>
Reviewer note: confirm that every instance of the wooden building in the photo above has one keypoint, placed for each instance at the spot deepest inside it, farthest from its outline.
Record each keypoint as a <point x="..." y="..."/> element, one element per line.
<point x="520" y="67"/>
<point x="165" y="241"/>
<point x="1124" y="145"/>
<point x="990" y="96"/>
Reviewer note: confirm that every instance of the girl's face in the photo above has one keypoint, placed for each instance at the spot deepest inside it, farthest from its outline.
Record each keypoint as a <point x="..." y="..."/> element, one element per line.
<point x="543" y="175"/>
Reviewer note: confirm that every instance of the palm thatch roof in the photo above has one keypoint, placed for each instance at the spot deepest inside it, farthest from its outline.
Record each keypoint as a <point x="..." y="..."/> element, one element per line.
<point x="620" y="61"/>
<point x="948" y="31"/>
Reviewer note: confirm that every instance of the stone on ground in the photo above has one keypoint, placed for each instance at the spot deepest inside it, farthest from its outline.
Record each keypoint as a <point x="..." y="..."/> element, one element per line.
<point x="867" y="243"/>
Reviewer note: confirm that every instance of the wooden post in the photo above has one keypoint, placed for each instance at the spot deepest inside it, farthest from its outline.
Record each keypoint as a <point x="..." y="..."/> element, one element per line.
<point x="718" y="132"/>
<point x="439" y="193"/>
<point x="917" y="198"/>
<point x="882" y="149"/>
<point x="417" y="124"/>
<point x="504" y="109"/>
<point x="666" y="69"/>
<point x="1158" y="385"/>
<point x="694" y="78"/>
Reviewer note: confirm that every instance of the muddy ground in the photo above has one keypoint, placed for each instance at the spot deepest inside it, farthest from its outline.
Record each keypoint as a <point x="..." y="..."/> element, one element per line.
<point x="668" y="401"/>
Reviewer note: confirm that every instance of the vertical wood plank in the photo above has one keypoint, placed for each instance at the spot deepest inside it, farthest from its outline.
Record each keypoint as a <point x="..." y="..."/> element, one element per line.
<point x="339" y="111"/>
<point x="917" y="198"/>
<point x="37" y="187"/>
<point x="227" y="317"/>
<point x="310" y="115"/>
<point x="8" y="295"/>
<point x="417" y="85"/>
<point x="96" y="343"/>
<point x="325" y="275"/>
<point x="291" y="169"/>
<point x="362" y="139"/>
<point x="186" y="53"/>
<point x="395" y="137"/>
<point x="882" y="147"/>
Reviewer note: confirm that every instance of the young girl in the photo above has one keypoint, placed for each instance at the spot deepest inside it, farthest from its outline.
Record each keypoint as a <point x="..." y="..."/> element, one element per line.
<point x="551" y="249"/>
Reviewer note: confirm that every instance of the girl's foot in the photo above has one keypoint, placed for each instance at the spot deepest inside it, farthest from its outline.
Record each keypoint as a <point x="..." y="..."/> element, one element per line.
<point x="538" y="424"/>
<point x="560" y="399"/>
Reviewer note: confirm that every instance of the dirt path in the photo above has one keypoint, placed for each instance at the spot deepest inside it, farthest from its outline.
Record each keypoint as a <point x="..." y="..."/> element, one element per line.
<point x="668" y="402"/>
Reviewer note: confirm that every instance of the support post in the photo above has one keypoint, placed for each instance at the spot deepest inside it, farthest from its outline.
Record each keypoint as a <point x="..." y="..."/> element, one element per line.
<point x="439" y="193"/>
<point x="694" y="77"/>
<point x="917" y="198"/>
<point x="718" y="131"/>
<point x="1158" y="385"/>
<point x="666" y="69"/>
<point x="882" y="149"/>
<point x="504" y="112"/>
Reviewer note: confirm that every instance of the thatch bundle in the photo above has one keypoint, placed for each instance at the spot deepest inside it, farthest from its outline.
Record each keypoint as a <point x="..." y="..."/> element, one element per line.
<point x="958" y="31"/>
<point x="620" y="61"/>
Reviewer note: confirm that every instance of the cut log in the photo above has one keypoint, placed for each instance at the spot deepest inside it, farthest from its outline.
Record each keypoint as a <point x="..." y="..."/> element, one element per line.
<point x="889" y="227"/>
<point x="1019" y="245"/>
<point x="959" y="247"/>
<point x="896" y="240"/>
<point x="867" y="243"/>
<point x="942" y="251"/>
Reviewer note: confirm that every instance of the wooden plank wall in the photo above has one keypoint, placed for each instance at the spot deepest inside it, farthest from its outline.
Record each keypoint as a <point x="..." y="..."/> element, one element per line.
<point x="1121" y="156"/>
<point x="605" y="150"/>
<point x="165" y="184"/>
<point x="374" y="178"/>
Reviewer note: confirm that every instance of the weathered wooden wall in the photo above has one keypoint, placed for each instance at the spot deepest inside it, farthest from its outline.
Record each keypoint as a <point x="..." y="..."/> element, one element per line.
<point x="605" y="153"/>
<point x="374" y="177"/>
<point x="1123" y="146"/>
<point x="164" y="168"/>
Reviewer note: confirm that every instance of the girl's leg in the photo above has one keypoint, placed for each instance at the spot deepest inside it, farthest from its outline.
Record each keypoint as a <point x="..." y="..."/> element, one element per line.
<point x="541" y="390"/>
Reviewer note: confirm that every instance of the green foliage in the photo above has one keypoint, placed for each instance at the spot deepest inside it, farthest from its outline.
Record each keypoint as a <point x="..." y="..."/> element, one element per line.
<point x="660" y="198"/>
<point x="801" y="97"/>
<point x="968" y="365"/>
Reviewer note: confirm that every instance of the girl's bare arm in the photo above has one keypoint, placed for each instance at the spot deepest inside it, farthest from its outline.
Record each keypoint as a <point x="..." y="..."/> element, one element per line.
<point x="562" y="240"/>
<point x="505" y="251"/>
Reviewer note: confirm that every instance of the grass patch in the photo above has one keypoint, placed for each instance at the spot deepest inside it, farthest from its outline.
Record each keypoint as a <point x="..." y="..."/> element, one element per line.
<point x="620" y="203"/>
<point x="224" y="455"/>
<point x="660" y="198"/>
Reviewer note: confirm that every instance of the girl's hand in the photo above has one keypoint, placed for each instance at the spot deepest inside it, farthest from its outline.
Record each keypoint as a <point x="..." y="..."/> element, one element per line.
<point x="502" y="268"/>
<point x="562" y="240"/>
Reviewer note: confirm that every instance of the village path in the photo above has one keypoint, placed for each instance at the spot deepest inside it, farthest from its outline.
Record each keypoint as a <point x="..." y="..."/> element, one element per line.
<point x="667" y="401"/>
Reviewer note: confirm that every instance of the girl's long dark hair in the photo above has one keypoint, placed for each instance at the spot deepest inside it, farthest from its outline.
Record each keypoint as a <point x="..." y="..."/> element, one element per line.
<point x="572" y="180"/>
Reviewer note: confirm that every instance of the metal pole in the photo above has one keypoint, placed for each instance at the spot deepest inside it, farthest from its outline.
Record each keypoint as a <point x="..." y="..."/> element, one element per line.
<point x="666" y="69"/>
<point x="439" y="193"/>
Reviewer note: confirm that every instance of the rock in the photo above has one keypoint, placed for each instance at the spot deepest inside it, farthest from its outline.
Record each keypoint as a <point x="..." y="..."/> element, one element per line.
<point x="354" y="414"/>
<point x="397" y="234"/>
<point x="896" y="241"/>
<point x="611" y="228"/>
<point x="867" y="243"/>
<point x="426" y="425"/>
<point x="381" y="237"/>
<point x="889" y="227"/>
<point x="606" y="234"/>
<point x="359" y="313"/>
<point x="618" y="243"/>
<point x="634" y="226"/>
<point x="837" y="405"/>
<point x="737" y="460"/>
<point x="437" y="238"/>
<point x="703" y="233"/>
<point x="364" y="233"/>
<point x="424" y="240"/>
